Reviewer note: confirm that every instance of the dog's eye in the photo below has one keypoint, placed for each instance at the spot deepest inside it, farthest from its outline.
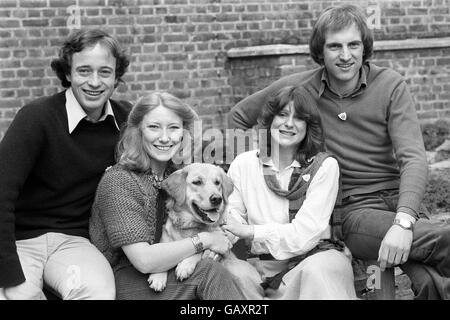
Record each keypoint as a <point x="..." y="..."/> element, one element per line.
<point x="197" y="182"/>
<point x="217" y="183"/>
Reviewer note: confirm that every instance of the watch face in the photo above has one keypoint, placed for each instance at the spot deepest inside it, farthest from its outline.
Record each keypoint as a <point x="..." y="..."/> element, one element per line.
<point x="404" y="223"/>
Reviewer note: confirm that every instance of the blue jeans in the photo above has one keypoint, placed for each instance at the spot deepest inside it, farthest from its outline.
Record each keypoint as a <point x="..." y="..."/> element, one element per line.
<point x="364" y="221"/>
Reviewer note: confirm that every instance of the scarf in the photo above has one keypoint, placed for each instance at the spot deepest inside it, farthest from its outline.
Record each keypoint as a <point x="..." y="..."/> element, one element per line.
<point x="161" y="213"/>
<point x="298" y="185"/>
<point x="296" y="194"/>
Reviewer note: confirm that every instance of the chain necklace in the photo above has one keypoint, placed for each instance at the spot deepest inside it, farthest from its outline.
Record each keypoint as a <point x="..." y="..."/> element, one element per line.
<point x="156" y="181"/>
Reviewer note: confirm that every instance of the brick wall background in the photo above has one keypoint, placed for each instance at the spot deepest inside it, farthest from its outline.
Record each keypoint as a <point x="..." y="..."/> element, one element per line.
<point x="427" y="71"/>
<point x="181" y="45"/>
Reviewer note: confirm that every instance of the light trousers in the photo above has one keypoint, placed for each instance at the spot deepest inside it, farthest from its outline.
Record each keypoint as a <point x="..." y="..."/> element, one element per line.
<point x="70" y="266"/>
<point x="326" y="275"/>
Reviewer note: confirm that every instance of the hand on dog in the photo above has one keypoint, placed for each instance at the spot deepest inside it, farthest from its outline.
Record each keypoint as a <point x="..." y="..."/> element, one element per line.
<point x="243" y="231"/>
<point x="216" y="241"/>
<point x="208" y="254"/>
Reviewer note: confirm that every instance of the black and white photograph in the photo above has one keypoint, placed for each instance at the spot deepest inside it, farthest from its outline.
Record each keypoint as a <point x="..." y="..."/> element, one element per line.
<point x="233" y="156"/>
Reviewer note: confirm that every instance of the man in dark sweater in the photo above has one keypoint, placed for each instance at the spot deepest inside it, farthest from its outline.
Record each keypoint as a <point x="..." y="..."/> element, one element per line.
<point x="51" y="160"/>
<point x="371" y="126"/>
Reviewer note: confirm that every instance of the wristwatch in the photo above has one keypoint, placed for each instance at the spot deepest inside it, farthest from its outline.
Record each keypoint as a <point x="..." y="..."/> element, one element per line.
<point x="404" y="223"/>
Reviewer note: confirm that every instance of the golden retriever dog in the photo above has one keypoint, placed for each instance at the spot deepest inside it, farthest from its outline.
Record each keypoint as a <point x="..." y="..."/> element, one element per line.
<point x="198" y="195"/>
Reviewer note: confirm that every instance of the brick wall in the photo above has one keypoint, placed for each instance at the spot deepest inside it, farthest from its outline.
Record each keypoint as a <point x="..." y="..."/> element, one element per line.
<point x="181" y="45"/>
<point x="427" y="71"/>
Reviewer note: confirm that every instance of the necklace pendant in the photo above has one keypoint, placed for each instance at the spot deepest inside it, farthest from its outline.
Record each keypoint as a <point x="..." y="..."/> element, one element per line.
<point x="156" y="181"/>
<point x="342" y="116"/>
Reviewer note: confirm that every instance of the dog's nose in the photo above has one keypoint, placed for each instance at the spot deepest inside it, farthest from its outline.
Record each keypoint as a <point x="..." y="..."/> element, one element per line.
<point x="215" y="200"/>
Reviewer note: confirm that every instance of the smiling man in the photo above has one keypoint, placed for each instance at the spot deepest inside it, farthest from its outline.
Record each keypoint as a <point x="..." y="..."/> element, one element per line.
<point x="371" y="126"/>
<point x="51" y="160"/>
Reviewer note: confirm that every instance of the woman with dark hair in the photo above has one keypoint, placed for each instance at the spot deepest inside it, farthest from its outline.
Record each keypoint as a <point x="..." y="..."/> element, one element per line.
<point x="371" y="125"/>
<point x="129" y="210"/>
<point x="284" y="195"/>
<point x="305" y="109"/>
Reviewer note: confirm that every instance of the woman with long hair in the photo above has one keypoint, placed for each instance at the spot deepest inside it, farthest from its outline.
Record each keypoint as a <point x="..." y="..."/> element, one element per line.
<point x="282" y="203"/>
<point x="129" y="210"/>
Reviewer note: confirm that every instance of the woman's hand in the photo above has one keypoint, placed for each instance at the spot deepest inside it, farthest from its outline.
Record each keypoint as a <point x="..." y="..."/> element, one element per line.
<point x="208" y="254"/>
<point x="216" y="241"/>
<point x="243" y="231"/>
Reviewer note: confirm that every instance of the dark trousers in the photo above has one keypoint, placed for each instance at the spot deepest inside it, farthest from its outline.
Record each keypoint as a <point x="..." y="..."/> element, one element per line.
<point x="210" y="281"/>
<point x="365" y="220"/>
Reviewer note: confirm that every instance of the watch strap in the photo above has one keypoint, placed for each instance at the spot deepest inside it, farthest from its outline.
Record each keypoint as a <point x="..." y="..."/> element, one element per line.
<point x="198" y="244"/>
<point x="399" y="223"/>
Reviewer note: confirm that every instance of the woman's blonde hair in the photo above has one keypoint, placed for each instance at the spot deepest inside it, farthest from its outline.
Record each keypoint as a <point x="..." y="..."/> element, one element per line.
<point x="130" y="149"/>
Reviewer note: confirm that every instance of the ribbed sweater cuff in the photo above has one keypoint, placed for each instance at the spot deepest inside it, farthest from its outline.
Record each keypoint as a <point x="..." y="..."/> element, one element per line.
<point x="409" y="202"/>
<point x="11" y="273"/>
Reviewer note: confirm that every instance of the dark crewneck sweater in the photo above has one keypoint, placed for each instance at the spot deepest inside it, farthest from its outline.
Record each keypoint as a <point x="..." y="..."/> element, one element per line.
<point x="379" y="146"/>
<point x="48" y="177"/>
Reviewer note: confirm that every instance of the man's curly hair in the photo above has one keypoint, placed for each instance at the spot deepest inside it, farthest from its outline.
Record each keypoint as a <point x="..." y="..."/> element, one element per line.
<point x="82" y="39"/>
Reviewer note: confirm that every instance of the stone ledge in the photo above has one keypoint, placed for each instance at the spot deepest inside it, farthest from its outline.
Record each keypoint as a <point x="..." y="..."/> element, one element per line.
<point x="385" y="45"/>
<point x="268" y="50"/>
<point x="410" y="44"/>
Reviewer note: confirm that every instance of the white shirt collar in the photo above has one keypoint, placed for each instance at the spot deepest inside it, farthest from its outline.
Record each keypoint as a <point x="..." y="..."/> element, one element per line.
<point x="267" y="161"/>
<point x="75" y="112"/>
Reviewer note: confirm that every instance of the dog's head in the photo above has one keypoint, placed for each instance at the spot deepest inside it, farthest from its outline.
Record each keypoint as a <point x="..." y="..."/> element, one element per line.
<point x="201" y="188"/>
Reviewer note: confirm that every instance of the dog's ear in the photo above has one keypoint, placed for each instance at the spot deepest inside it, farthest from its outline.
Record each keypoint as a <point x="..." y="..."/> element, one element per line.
<point x="227" y="185"/>
<point x="175" y="185"/>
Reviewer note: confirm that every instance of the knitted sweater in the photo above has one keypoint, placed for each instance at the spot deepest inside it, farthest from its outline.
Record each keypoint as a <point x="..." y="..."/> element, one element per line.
<point x="379" y="146"/>
<point x="48" y="177"/>
<point x="127" y="209"/>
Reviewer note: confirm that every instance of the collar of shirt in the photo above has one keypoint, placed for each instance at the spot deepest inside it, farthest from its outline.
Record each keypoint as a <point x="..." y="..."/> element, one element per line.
<point x="75" y="112"/>
<point x="283" y="176"/>
<point x="362" y="82"/>
<point x="267" y="161"/>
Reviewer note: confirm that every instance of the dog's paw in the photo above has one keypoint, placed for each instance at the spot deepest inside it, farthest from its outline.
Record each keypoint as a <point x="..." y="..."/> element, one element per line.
<point x="158" y="281"/>
<point x="184" y="269"/>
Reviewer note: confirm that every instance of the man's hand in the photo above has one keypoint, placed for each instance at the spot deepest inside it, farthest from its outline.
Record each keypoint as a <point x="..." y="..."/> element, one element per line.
<point x="395" y="247"/>
<point x="243" y="231"/>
